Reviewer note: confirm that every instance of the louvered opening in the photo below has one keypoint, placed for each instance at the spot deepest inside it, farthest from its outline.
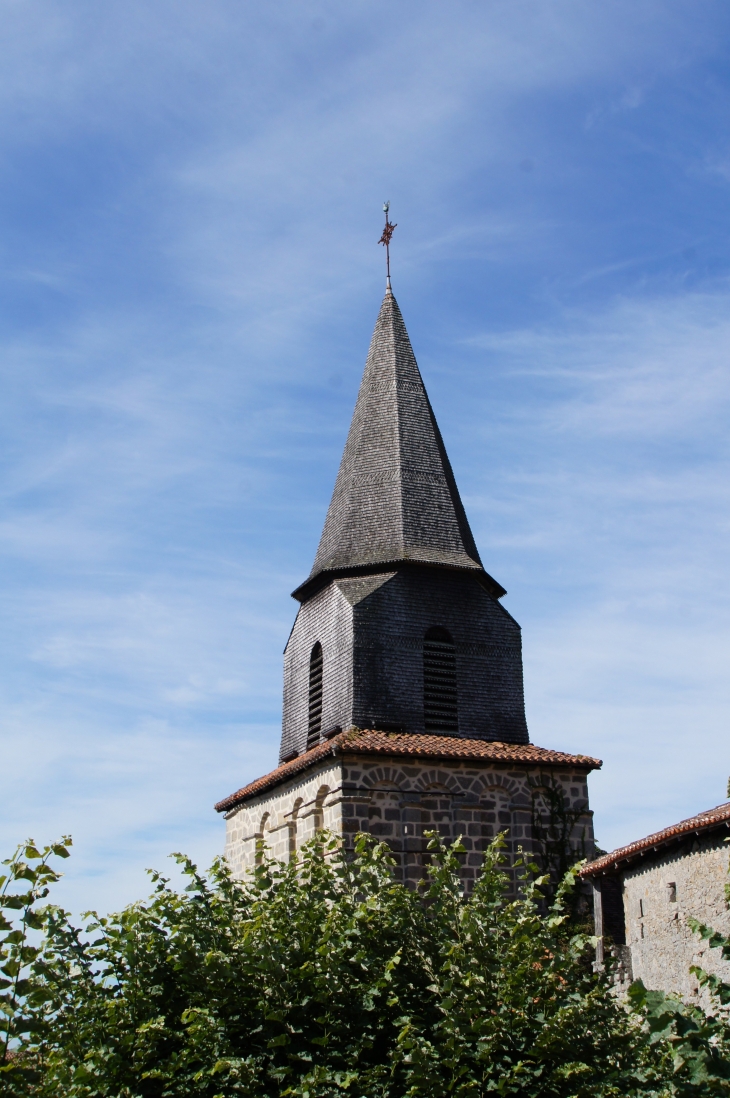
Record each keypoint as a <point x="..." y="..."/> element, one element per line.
<point x="439" y="683"/>
<point x="315" y="696"/>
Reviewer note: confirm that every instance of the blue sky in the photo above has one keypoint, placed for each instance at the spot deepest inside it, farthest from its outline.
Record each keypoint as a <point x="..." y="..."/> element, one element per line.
<point x="190" y="200"/>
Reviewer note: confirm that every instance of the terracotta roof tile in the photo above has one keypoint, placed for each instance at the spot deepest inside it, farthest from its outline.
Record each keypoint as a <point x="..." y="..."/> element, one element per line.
<point x="408" y="745"/>
<point x="703" y="821"/>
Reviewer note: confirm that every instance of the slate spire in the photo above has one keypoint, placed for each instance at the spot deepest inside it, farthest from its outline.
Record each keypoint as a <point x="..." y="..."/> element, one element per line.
<point x="395" y="498"/>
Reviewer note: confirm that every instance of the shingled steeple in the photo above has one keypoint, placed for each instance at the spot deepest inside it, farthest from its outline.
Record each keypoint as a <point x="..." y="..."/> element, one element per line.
<point x="395" y="498"/>
<point x="400" y="627"/>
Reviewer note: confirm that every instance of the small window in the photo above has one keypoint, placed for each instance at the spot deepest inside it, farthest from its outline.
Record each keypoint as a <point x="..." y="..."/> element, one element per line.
<point x="439" y="683"/>
<point x="315" y="696"/>
<point x="641" y="909"/>
<point x="672" y="892"/>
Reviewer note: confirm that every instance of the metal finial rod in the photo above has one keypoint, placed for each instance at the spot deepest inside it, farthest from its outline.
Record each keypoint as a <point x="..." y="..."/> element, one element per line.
<point x="385" y="239"/>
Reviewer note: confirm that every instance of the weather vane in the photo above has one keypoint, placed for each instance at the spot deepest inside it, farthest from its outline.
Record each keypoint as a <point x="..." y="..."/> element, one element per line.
<point x="385" y="239"/>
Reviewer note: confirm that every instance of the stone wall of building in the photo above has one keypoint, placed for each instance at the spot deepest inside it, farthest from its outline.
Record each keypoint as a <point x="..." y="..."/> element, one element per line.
<point x="398" y="800"/>
<point x="659" y="896"/>
<point x="285" y="818"/>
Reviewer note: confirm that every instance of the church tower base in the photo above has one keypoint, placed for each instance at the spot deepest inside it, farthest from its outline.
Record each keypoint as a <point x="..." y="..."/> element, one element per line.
<point x="397" y="787"/>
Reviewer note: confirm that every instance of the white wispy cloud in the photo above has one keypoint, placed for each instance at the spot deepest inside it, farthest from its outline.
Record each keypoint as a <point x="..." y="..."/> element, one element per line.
<point x="621" y="506"/>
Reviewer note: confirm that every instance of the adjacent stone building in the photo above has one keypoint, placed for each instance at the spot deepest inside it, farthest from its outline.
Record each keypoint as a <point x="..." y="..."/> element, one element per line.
<point x="645" y="892"/>
<point x="403" y="693"/>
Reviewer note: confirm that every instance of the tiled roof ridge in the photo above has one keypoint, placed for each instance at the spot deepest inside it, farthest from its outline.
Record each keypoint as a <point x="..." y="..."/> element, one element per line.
<point x="405" y="744"/>
<point x="702" y="821"/>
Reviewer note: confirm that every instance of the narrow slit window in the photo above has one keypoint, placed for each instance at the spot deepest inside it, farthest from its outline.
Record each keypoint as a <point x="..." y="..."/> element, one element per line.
<point x="439" y="683"/>
<point x="315" y="696"/>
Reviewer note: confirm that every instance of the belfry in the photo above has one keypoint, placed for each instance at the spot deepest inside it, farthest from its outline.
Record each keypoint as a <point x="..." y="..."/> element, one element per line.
<point x="403" y="694"/>
<point x="396" y="567"/>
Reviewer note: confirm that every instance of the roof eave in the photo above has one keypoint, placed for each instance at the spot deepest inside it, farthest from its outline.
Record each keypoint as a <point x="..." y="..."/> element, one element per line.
<point x="349" y="743"/>
<point x="320" y="579"/>
<point x="622" y="859"/>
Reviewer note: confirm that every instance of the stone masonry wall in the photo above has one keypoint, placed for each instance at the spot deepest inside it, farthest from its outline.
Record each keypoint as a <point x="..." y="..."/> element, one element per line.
<point x="659" y="896"/>
<point x="285" y="819"/>
<point x="398" y="800"/>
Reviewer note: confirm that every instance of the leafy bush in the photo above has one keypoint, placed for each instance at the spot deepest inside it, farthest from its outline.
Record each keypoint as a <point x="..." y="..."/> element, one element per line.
<point x="329" y="978"/>
<point x="22" y="887"/>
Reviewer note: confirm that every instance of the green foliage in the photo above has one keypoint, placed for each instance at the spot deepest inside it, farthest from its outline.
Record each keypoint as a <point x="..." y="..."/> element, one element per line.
<point x="327" y="977"/>
<point x="22" y="886"/>
<point x="687" y="1048"/>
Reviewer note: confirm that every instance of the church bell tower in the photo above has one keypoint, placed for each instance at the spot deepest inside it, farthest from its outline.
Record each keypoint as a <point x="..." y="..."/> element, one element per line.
<point x="403" y="697"/>
<point x="400" y="628"/>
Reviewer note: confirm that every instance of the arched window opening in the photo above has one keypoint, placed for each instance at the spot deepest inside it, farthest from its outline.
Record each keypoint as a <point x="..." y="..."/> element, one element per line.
<point x="315" y="696"/>
<point x="439" y="683"/>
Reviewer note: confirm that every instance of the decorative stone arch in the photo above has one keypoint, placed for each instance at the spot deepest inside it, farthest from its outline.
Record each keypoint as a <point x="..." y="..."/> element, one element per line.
<point x="322" y="794"/>
<point x="435" y="777"/>
<point x="494" y="781"/>
<point x="260" y="838"/>
<point x="495" y="805"/>
<point x="437" y="795"/>
<point x="437" y="807"/>
<point x="385" y="783"/>
<point x="394" y="775"/>
<point x="293" y="825"/>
